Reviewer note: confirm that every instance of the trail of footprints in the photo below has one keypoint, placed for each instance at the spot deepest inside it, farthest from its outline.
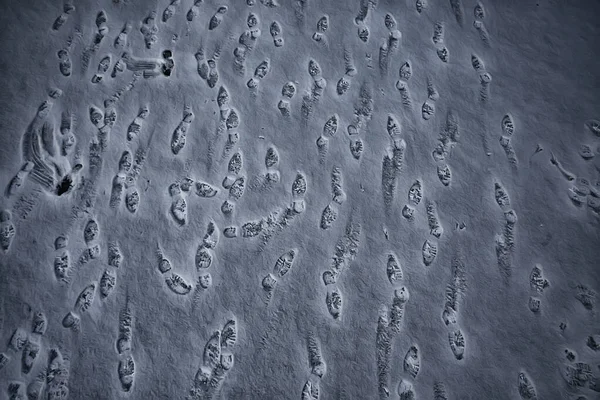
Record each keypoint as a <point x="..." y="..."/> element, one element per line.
<point x="178" y="139"/>
<point x="267" y="180"/>
<point x="205" y="255"/>
<point x="217" y="362"/>
<point x="389" y="46"/>
<point x="583" y="192"/>
<point x="234" y="182"/>
<point x="345" y="252"/>
<point x="229" y="122"/>
<point x="579" y="376"/>
<point x="428" y="108"/>
<point x="173" y="281"/>
<point x="101" y="22"/>
<point x="54" y="163"/>
<point x="455" y="291"/>
<point x="537" y="283"/>
<point x="36" y="380"/>
<point x="288" y="91"/>
<point x="67" y="9"/>
<point x="321" y="28"/>
<point x="389" y="324"/>
<point x="345" y="81"/>
<point x="226" y="113"/>
<point x="505" y="241"/>
<point x="508" y="129"/>
<point x="280" y="217"/>
<point x="7" y="230"/>
<point x="438" y="37"/>
<point x="338" y="197"/>
<point x="393" y="162"/>
<point x="318" y="368"/>
<point x="311" y="97"/>
<point x="405" y="73"/>
<point x="363" y="112"/>
<point x="329" y="130"/>
<point x="124" y="346"/>
<point x="283" y="265"/>
<point x="207" y="68"/>
<point x="429" y="250"/>
<point x="448" y="138"/>
<point x="480" y="13"/>
<point x="247" y="42"/>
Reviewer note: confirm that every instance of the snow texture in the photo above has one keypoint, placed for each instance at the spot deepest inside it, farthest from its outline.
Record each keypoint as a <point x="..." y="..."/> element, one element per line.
<point x="304" y="199"/>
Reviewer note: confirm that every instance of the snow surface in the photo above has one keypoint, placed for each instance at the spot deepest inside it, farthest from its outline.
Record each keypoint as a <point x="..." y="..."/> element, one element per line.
<point x="509" y="200"/>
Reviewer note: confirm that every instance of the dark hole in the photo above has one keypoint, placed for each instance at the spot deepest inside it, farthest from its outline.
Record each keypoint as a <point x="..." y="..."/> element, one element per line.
<point x="64" y="186"/>
<point x="166" y="71"/>
<point x="167" y="54"/>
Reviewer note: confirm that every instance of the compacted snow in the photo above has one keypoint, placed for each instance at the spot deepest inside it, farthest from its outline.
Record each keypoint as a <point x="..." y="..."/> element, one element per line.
<point x="303" y="199"/>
